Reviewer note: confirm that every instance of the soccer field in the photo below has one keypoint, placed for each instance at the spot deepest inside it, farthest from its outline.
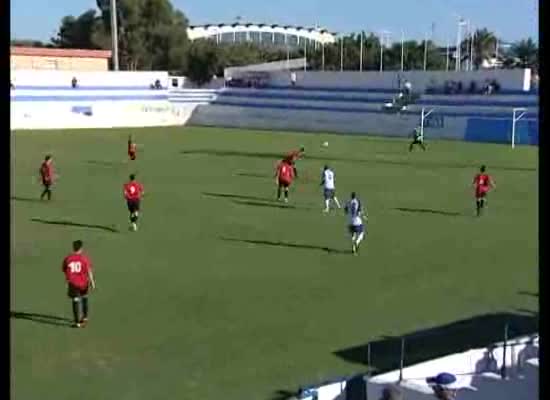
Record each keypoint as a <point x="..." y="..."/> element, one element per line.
<point x="224" y="293"/>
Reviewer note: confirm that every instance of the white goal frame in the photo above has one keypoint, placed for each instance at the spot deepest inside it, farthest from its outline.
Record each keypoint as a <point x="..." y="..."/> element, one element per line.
<point x="423" y="116"/>
<point x="517" y="114"/>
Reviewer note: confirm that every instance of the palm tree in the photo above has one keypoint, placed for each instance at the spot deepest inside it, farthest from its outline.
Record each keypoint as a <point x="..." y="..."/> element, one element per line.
<point x="485" y="43"/>
<point x="527" y="52"/>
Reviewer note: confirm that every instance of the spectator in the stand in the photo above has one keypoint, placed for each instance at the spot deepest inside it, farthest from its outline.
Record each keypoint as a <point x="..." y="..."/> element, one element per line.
<point x="489" y="88"/>
<point x="74" y="82"/>
<point x="408" y="88"/>
<point x="293" y="78"/>
<point x="391" y="392"/>
<point x="158" y="85"/>
<point x="445" y="386"/>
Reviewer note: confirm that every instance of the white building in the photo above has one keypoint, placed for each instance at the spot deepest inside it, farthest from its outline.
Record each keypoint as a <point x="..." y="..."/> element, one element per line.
<point x="263" y="34"/>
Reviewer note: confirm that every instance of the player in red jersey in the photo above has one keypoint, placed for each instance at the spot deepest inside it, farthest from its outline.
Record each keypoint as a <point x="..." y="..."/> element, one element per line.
<point x="133" y="191"/>
<point x="482" y="184"/>
<point x="132" y="149"/>
<point x="294" y="156"/>
<point x="284" y="177"/>
<point x="47" y="177"/>
<point x="79" y="277"/>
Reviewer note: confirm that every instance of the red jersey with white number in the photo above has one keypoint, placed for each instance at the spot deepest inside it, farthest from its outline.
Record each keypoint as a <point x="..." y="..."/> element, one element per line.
<point x="285" y="172"/>
<point x="76" y="267"/>
<point x="133" y="191"/>
<point x="46" y="172"/>
<point x="482" y="183"/>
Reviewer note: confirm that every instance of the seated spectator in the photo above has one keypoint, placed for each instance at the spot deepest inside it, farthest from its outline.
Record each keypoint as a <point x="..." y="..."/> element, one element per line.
<point x="158" y="85"/>
<point x="74" y="82"/>
<point x="391" y="392"/>
<point x="408" y="87"/>
<point x="293" y="78"/>
<point x="398" y="103"/>
<point x="473" y="87"/>
<point x="445" y="386"/>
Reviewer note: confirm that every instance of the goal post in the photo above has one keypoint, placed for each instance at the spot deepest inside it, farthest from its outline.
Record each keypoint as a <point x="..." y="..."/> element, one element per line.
<point x="517" y="114"/>
<point x="423" y="115"/>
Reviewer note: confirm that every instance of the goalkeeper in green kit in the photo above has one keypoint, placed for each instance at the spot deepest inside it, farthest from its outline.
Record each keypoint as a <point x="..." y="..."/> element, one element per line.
<point x="418" y="139"/>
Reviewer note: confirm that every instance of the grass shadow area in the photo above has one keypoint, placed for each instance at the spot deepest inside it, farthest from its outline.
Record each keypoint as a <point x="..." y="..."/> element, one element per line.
<point x="288" y="245"/>
<point x="413" y="163"/>
<point x="527" y="293"/>
<point x="254" y="175"/>
<point x="26" y="199"/>
<point x="42" y="318"/>
<point x="75" y="224"/>
<point x="429" y="211"/>
<point x="268" y="205"/>
<point x="236" y="196"/>
<point x="476" y="332"/>
<point x="105" y="163"/>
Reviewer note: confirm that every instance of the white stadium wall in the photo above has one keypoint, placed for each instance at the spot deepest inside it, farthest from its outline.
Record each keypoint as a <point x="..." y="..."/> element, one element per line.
<point x="46" y="100"/>
<point x="510" y="80"/>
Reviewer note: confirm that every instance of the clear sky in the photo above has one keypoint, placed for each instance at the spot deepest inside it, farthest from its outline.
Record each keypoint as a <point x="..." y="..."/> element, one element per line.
<point x="510" y="19"/>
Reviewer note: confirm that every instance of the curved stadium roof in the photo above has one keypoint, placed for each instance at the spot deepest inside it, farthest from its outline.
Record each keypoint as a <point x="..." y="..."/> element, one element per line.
<point x="268" y="34"/>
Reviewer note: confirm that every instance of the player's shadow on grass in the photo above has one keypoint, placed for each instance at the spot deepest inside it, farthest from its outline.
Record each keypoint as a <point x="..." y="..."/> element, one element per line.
<point x="415" y="163"/>
<point x="26" y="199"/>
<point x="76" y="224"/>
<point x="260" y="204"/>
<point x="42" y="318"/>
<point x="428" y="211"/>
<point x="284" y="395"/>
<point x="526" y="293"/>
<point x="328" y="250"/>
<point x="254" y="175"/>
<point x="235" y="196"/>
<point x="105" y="163"/>
<point x="423" y="345"/>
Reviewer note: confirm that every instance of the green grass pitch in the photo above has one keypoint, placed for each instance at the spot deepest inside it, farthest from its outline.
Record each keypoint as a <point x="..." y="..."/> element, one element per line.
<point x="225" y="294"/>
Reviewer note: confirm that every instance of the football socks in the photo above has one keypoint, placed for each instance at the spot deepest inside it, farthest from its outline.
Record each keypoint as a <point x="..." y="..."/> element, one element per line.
<point x="84" y="307"/>
<point x="76" y="310"/>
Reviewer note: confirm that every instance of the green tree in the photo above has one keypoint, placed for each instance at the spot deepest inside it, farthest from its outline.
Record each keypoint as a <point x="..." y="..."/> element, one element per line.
<point x="526" y="52"/>
<point x="29" y="43"/>
<point x="152" y="34"/>
<point x="485" y="43"/>
<point x="76" y="33"/>
<point x="203" y="61"/>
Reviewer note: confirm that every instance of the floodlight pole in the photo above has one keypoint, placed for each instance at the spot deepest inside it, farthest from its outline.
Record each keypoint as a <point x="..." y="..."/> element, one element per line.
<point x="361" y="54"/>
<point x="425" y="51"/>
<point x="461" y="23"/>
<point x="402" y="50"/>
<point x="114" y="34"/>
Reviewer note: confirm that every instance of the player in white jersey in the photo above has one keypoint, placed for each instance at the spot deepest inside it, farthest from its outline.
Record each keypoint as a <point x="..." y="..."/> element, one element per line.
<point x="329" y="188"/>
<point x="355" y="212"/>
